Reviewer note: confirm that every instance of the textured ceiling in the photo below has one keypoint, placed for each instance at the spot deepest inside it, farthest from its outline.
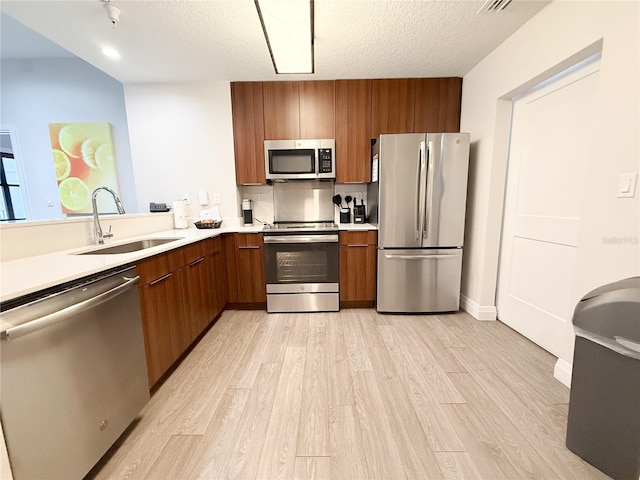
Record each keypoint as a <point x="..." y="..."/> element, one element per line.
<point x="175" y="41"/>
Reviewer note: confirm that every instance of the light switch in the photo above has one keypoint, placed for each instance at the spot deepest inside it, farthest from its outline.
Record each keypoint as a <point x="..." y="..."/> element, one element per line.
<point x="627" y="185"/>
<point x="203" y="197"/>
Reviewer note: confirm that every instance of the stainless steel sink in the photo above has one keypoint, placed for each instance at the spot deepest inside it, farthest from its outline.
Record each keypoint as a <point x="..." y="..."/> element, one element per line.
<point x="130" y="247"/>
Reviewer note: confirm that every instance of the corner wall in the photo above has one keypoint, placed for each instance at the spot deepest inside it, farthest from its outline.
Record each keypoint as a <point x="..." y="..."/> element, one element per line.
<point x="557" y="37"/>
<point x="182" y="142"/>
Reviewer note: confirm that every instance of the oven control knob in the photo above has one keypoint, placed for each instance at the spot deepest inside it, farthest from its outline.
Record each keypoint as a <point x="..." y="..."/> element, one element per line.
<point x="302" y="287"/>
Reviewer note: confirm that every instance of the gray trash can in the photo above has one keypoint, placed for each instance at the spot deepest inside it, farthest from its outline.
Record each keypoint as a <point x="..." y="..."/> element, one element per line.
<point x="604" y="407"/>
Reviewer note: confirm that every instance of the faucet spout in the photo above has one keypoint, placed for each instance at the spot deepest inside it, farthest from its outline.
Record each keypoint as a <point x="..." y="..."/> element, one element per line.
<point x="97" y="229"/>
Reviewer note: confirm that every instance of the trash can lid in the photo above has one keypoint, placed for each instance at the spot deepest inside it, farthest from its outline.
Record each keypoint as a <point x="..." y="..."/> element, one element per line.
<point x="627" y="283"/>
<point x="610" y="316"/>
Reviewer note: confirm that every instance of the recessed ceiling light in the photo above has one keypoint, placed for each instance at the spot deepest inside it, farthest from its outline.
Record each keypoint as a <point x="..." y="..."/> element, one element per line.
<point x="111" y="53"/>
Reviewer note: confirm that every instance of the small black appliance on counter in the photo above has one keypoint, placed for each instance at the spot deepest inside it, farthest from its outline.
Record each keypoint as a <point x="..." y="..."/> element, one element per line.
<point x="359" y="213"/>
<point x="345" y="215"/>
<point x="247" y="212"/>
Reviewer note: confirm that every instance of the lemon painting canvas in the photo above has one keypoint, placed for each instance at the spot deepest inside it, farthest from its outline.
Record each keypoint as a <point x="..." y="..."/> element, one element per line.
<point x="83" y="159"/>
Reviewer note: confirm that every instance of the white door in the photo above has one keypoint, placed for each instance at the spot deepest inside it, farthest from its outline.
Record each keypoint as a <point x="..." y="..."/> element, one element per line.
<point x="551" y="136"/>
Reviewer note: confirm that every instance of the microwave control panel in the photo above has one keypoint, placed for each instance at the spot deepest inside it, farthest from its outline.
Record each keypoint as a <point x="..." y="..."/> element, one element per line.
<point x="324" y="157"/>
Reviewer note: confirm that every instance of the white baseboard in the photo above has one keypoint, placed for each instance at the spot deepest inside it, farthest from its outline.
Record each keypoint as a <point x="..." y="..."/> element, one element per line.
<point x="562" y="372"/>
<point x="479" y="312"/>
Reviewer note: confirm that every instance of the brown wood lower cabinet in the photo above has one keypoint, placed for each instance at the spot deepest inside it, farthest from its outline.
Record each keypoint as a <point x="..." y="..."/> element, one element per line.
<point x="162" y="318"/>
<point x="245" y="270"/>
<point x="358" y="265"/>
<point x="181" y="292"/>
<point x="218" y="271"/>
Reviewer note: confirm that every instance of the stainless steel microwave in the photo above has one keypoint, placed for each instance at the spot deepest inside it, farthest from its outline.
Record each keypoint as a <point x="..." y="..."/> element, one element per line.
<point x="300" y="159"/>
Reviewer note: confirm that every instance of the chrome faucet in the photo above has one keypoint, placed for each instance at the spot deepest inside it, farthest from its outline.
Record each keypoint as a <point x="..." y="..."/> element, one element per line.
<point x="97" y="229"/>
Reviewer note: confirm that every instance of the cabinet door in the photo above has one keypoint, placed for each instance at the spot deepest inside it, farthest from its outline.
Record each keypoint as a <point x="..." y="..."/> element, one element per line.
<point x="250" y="268"/>
<point x="219" y="276"/>
<point x="248" y="132"/>
<point x="353" y="131"/>
<point x="358" y="266"/>
<point x="162" y="318"/>
<point x="198" y="300"/>
<point x="317" y="109"/>
<point x="229" y="243"/>
<point x="437" y="105"/>
<point x="281" y="110"/>
<point x="392" y="104"/>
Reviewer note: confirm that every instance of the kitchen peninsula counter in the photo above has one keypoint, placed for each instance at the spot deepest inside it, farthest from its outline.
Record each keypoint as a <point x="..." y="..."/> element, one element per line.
<point x="32" y="274"/>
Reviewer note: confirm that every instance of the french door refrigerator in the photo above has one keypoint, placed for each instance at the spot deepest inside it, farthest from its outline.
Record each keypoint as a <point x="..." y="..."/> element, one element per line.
<point x="417" y="198"/>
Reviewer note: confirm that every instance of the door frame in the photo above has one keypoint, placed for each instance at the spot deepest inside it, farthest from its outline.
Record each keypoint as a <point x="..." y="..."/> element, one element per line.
<point x="571" y="75"/>
<point x="483" y="306"/>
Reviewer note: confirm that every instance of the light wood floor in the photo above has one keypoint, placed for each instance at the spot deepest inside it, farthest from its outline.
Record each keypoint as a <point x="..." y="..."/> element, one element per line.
<point x="354" y="395"/>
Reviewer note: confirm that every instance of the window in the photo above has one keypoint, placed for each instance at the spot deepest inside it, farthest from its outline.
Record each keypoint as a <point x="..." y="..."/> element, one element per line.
<point x="11" y="204"/>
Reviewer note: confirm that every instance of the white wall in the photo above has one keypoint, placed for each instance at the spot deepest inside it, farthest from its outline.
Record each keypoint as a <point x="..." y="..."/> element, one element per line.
<point x="37" y="92"/>
<point x="182" y="142"/>
<point x="560" y="35"/>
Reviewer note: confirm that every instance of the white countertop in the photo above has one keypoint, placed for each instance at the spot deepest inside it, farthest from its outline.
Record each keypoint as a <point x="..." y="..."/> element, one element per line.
<point x="31" y="274"/>
<point x="356" y="226"/>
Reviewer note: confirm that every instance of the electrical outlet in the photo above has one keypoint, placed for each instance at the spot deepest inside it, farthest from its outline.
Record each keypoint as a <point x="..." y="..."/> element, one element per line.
<point x="260" y="197"/>
<point x="49" y="201"/>
<point x="216" y="199"/>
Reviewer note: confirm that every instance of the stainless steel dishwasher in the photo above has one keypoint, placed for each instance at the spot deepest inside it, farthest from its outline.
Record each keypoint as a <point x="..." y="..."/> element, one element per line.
<point x="74" y="374"/>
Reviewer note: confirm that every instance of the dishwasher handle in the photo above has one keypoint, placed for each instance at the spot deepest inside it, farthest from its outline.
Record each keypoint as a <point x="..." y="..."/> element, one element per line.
<point x="56" y="317"/>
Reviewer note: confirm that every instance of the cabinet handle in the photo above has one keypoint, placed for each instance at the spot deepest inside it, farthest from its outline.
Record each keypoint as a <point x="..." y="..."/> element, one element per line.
<point x="357" y="245"/>
<point x="161" y="279"/>
<point x="195" y="262"/>
<point x="249" y="247"/>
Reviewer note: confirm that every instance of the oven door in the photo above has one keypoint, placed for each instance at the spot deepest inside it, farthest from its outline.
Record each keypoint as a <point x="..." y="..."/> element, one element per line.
<point x="301" y="259"/>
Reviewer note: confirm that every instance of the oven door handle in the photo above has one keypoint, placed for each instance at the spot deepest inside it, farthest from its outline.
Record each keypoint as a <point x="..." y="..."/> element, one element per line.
<point x="301" y="239"/>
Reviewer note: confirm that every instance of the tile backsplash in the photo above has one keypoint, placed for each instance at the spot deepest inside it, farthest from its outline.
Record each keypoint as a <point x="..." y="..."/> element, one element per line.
<point x="261" y="197"/>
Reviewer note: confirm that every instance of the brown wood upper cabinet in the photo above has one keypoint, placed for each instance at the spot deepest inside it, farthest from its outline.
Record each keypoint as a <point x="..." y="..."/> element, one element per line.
<point x="437" y="105"/>
<point x="281" y="110"/>
<point x="317" y="109"/>
<point x="353" y="127"/>
<point x="248" y="132"/>
<point x="299" y="110"/>
<point x="415" y="105"/>
<point x="392" y="104"/>
<point x="351" y="111"/>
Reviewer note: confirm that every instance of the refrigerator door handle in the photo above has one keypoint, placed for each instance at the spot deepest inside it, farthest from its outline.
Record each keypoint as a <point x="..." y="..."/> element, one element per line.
<point x="420" y="211"/>
<point x="428" y="192"/>
<point x="420" y="257"/>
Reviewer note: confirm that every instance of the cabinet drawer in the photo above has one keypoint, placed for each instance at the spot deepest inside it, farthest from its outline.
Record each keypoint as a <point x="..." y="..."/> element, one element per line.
<point x="359" y="238"/>
<point x="215" y="245"/>
<point x="152" y="268"/>
<point x="248" y="240"/>
<point x="193" y="252"/>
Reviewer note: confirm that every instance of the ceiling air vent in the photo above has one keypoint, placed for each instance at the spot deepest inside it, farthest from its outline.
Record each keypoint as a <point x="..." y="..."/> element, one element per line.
<point x="494" y="6"/>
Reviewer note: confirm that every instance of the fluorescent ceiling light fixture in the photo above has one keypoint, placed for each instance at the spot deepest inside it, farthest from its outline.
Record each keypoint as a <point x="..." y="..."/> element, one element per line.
<point x="288" y="29"/>
<point x="110" y="52"/>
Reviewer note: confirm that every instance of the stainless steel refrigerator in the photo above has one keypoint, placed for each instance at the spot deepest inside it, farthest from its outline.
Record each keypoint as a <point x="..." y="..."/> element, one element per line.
<point x="417" y="198"/>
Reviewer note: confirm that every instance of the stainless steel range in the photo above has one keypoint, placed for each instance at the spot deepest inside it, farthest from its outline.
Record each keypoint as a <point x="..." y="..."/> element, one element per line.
<point x="301" y="257"/>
